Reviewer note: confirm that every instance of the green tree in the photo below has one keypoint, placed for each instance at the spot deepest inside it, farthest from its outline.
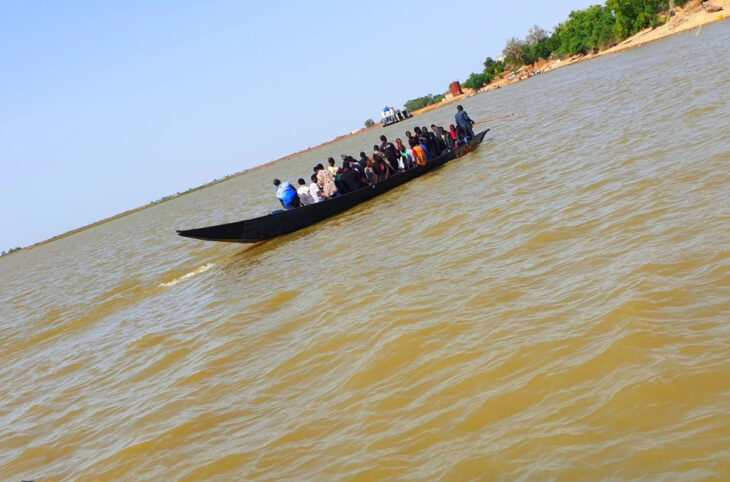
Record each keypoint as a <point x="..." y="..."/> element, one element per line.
<point x="369" y="123"/>
<point x="493" y="67"/>
<point x="535" y="35"/>
<point x="477" y="81"/>
<point x="514" y="53"/>
<point x="585" y="31"/>
<point x="421" y="102"/>
<point x="634" y="15"/>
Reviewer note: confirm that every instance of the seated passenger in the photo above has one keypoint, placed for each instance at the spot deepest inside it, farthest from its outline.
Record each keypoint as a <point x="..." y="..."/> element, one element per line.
<point x="351" y="179"/>
<point x="326" y="181"/>
<point x="315" y="191"/>
<point x="423" y="142"/>
<point x="405" y="161"/>
<point x="355" y="165"/>
<point x="303" y="191"/>
<point x="370" y="172"/>
<point x="432" y="141"/>
<point x="418" y="152"/>
<point x="286" y="194"/>
<point x="454" y="134"/>
<point x="334" y="170"/>
<point x="382" y="171"/>
<point x="438" y="132"/>
<point x="363" y="161"/>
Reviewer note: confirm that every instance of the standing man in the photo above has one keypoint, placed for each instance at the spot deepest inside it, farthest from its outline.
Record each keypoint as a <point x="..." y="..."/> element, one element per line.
<point x="464" y="121"/>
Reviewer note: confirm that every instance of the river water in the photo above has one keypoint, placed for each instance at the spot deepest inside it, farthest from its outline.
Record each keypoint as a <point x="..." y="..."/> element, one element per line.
<point x="554" y="305"/>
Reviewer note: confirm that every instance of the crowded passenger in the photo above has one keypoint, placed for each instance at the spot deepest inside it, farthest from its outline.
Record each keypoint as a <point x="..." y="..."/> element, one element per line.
<point x="370" y="172"/>
<point x="286" y="194"/>
<point x="431" y="141"/>
<point x="363" y="161"/>
<point x="418" y="152"/>
<point x="326" y="181"/>
<point x="303" y="192"/>
<point x="424" y="142"/>
<point x="387" y="160"/>
<point x="406" y="158"/>
<point x="315" y="191"/>
<point x="352" y="180"/>
<point x="334" y="170"/>
<point x="381" y="167"/>
<point x="390" y="152"/>
<point x="454" y="134"/>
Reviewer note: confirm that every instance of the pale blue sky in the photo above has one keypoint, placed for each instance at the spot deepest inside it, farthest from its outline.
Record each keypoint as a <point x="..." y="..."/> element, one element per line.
<point x="106" y="106"/>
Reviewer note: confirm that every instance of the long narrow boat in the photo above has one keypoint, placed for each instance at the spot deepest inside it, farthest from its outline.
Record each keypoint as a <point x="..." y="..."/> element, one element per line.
<point x="284" y="222"/>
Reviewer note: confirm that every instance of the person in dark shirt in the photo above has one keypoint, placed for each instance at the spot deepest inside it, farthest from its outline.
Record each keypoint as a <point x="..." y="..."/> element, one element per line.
<point x="432" y="141"/>
<point x="391" y="153"/>
<point x="380" y="167"/>
<point x="356" y="165"/>
<point x="363" y="160"/>
<point x="351" y="178"/>
<point x="424" y="141"/>
<point x="439" y="131"/>
<point x="408" y="137"/>
<point x="464" y="121"/>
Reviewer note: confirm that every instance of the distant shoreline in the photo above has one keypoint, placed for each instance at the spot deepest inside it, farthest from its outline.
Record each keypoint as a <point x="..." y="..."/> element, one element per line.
<point x="692" y="16"/>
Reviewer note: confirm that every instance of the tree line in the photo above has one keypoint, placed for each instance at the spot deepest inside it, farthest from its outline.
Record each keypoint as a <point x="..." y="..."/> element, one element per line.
<point x="11" y="250"/>
<point x="595" y="28"/>
<point x="589" y="30"/>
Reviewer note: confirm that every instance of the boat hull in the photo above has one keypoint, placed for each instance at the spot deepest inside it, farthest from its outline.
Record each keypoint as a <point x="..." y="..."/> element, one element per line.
<point x="284" y="222"/>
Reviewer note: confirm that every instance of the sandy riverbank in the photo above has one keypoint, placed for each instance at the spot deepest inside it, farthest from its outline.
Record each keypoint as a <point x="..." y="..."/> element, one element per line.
<point x="693" y="16"/>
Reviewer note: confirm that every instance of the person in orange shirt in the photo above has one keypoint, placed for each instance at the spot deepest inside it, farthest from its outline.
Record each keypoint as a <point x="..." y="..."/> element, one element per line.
<point x="419" y="155"/>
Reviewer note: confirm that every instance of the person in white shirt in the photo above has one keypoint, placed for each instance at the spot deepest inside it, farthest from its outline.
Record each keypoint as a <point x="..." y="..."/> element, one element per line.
<point x="303" y="191"/>
<point x="315" y="191"/>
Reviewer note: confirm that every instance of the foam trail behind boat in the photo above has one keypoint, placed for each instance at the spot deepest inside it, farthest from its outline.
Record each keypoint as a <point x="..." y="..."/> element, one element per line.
<point x="198" y="270"/>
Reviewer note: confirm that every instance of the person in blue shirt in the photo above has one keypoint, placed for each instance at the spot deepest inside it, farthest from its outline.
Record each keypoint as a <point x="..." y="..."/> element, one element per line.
<point x="286" y="193"/>
<point x="464" y="121"/>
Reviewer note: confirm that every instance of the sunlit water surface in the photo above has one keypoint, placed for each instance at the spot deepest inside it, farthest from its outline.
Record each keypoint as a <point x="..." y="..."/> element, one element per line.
<point x="555" y="305"/>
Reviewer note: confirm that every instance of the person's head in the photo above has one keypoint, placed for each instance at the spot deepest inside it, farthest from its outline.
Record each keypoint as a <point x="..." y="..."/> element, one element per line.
<point x="301" y="181"/>
<point x="345" y="165"/>
<point x="417" y="130"/>
<point x="331" y="161"/>
<point x="424" y="129"/>
<point x="276" y="182"/>
<point x="377" y="158"/>
<point x="318" y="167"/>
<point x="363" y="155"/>
<point x="383" y="139"/>
<point x="433" y="127"/>
<point x="376" y="148"/>
<point x="408" y="134"/>
<point x="452" y="127"/>
<point x="458" y="107"/>
<point x="413" y="142"/>
<point x="398" y="142"/>
<point x="313" y="178"/>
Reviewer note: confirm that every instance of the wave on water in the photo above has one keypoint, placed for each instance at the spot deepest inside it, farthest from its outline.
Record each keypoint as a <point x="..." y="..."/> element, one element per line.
<point x="196" y="271"/>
